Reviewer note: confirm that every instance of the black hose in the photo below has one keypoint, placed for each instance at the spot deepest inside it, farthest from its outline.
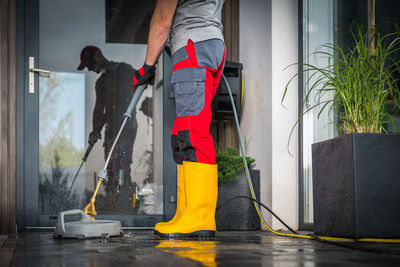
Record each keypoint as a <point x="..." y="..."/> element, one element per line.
<point x="262" y="205"/>
<point x="354" y="246"/>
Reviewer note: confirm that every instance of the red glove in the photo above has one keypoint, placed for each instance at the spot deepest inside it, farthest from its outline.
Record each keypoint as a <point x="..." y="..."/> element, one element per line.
<point x="144" y="75"/>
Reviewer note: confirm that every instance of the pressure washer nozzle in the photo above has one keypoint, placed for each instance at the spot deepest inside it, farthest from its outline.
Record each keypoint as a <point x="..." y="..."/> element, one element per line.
<point x="90" y="209"/>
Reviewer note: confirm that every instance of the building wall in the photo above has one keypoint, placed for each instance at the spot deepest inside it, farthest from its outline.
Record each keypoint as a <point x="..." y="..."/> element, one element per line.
<point x="269" y="43"/>
<point x="284" y="166"/>
<point x="8" y="107"/>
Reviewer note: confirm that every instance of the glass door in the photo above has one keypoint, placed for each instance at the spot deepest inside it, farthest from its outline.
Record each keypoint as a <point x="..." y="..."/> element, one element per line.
<point x="77" y="89"/>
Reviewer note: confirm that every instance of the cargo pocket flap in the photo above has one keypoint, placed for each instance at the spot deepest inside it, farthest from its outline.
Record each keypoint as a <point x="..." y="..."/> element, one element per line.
<point x="179" y="56"/>
<point x="189" y="75"/>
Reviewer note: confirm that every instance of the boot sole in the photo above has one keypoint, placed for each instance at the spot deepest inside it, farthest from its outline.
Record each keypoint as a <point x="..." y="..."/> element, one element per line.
<point x="202" y="234"/>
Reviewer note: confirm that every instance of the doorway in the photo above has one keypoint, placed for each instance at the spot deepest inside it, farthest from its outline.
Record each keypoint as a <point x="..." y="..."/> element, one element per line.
<point x="58" y="105"/>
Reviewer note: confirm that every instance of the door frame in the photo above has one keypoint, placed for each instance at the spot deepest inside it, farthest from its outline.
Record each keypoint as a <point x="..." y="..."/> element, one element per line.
<point x="27" y="143"/>
<point x="28" y="137"/>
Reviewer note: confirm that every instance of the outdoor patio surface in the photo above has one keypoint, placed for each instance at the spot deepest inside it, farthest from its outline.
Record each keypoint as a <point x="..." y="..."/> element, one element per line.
<point x="142" y="248"/>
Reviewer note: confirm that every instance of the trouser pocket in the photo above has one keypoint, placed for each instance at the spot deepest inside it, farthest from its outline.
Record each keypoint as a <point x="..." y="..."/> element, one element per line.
<point x="210" y="53"/>
<point x="189" y="87"/>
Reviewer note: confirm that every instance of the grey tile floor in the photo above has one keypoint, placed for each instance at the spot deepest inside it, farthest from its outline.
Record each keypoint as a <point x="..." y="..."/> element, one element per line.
<point x="142" y="248"/>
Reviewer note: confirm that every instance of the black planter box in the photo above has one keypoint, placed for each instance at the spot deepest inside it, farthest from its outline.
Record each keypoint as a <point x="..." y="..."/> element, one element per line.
<point x="356" y="186"/>
<point x="238" y="214"/>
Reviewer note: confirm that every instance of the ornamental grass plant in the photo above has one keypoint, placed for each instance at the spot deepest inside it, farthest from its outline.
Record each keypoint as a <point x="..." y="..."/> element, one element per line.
<point x="359" y="81"/>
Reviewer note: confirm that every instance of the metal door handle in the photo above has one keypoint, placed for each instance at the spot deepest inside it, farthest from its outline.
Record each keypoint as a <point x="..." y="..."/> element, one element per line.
<point x="43" y="73"/>
<point x="32" y="71"/>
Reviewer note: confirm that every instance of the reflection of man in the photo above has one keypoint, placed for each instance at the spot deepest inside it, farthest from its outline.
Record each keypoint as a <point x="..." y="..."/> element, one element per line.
<point x="195" y="31"/>
<point x="113" y="95"/>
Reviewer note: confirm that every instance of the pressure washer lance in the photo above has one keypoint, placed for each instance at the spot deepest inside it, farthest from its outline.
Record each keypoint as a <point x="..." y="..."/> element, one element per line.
<point x="90" y="209"/>
<point x="88" y="150"/>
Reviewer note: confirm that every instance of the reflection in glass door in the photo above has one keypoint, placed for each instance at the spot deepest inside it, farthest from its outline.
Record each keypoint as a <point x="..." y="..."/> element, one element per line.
<point x="80" y="109"/>
<point x="61" y="138"/>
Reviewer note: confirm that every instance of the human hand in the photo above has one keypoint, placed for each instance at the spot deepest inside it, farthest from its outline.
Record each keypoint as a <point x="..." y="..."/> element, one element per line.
<point x="93" y="137"/>
<point x="144" y="75"/>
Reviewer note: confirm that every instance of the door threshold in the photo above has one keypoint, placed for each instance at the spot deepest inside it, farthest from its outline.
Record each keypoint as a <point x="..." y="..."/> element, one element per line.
<point x="52" y="228"/>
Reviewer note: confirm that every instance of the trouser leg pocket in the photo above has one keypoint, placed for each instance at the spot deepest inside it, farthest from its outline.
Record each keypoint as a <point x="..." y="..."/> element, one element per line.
<point x="189" y="87"/>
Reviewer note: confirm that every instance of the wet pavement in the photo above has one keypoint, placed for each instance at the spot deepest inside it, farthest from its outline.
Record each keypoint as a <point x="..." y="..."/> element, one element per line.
<point x="2" y="239"/>
<point x="142" y="248"/>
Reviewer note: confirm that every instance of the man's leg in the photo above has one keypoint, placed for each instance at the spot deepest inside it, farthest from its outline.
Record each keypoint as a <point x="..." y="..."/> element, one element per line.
<point x="125" y="150"/>
<point x="195" y="80"/>
<point x="110" y="204"/>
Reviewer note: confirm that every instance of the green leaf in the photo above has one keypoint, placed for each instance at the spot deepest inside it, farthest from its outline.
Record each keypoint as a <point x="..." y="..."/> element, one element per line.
<point x="230" y="163"/>
<point x="361" y="80"/>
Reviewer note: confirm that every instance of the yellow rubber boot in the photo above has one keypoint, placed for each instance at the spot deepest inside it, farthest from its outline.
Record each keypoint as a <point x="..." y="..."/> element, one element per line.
<point x="180" y="202"/>
<point x="201" y="186"/>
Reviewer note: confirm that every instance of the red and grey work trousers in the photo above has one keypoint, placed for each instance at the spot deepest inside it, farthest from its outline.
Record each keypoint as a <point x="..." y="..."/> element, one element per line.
<point x="196" y="74"/>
